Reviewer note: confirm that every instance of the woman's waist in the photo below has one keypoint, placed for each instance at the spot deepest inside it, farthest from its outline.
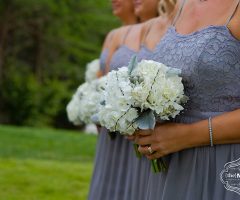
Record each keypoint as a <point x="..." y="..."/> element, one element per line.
<point x="191" y="116"/>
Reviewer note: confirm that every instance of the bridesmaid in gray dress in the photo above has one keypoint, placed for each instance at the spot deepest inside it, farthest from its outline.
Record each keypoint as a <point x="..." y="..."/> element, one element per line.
<point x="124" y="164"/>
<point x="106" y="183"/>
<point x="114" y="176"/>
<point x="142" y="168"/>
<point x="202" y="145"/>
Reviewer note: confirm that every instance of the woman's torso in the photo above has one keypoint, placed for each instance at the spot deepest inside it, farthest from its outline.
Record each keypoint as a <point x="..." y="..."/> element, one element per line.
<point x="210" y="64"/>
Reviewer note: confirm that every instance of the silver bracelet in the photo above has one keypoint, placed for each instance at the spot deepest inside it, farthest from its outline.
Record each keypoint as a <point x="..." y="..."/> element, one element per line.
<point x="210" y="131"/>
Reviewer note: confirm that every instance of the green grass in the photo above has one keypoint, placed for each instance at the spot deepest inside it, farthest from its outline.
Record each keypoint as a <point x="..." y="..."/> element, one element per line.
<point x="39" y="164"/>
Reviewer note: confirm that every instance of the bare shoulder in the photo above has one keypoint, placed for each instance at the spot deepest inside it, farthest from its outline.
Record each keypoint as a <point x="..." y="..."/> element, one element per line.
<point x="109" y="38"/>
<point x="113" y="38"/>
<point x="117" y="37"/>
<point x="145" y="26"/>
<point x="119" y="32"/>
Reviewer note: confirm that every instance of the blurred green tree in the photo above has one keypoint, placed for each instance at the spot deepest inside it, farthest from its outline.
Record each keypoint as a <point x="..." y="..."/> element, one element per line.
<point x="44" y="47"/>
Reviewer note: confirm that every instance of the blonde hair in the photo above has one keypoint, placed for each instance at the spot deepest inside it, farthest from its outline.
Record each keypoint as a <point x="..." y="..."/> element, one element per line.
<point x="166" y="7"/>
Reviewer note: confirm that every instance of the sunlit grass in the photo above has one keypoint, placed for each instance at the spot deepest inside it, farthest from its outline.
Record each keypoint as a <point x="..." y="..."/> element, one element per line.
<point x="44" y="164"/>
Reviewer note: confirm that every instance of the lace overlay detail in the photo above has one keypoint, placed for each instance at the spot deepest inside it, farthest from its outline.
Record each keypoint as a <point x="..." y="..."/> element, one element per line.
<point x="121" y="57"/>
<point x="210" y="64"/>
<point x="144" y="54"/>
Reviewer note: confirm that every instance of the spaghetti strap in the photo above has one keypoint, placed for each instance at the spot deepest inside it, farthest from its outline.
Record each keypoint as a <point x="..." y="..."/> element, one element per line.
<point x="232" y="15"/>
<point x="147" y="32"/>
<point x="109" y="38"/>
<point x="125" y="36"/>
<point x="108" y="60"/>
<point x="179" y="13"/>
<point x="111" y="35"/>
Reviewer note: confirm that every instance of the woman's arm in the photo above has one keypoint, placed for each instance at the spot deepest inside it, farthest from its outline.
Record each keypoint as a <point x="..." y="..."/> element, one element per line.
<point x="106" y="44"/>
<point x="172" y="137"/>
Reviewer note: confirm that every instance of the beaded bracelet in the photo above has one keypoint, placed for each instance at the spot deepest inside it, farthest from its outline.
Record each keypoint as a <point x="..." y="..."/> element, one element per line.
<point x="210" y="131"/>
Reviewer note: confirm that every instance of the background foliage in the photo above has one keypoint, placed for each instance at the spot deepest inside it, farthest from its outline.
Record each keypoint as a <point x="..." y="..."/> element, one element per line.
<point x="44" y="47"/>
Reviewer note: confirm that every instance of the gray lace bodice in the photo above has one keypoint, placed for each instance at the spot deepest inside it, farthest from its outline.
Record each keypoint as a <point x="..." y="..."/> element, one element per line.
<point x="210" y="64"/>
<point x="144" y="53"/>
<point x="121" y="57"/>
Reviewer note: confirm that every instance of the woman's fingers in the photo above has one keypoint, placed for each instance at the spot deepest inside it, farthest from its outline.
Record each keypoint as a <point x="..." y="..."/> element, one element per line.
<point x="165" y="139"/>
<point x="155" y="155"/>
<point x="144" y="150"/>
<point x="148" y="149"/>
<point x="130" y="137"/>
<point x="144" y="132"/>
<point x="143" y="141"/>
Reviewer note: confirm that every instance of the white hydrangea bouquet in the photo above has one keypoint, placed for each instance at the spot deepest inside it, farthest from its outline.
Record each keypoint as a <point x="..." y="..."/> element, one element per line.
<point x="92" y="70"/>
<point x="86" y="102"/>
<point x="137" y="95"/>
<point x="116" y="112"/>
<point x="74" y="105"/>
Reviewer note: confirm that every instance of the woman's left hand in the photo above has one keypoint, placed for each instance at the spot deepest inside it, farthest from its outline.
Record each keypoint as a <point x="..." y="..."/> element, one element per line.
<point x="164" y="139"/>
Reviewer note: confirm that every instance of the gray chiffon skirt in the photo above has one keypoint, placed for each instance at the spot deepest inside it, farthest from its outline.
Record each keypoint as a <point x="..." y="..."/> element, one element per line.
<point x="194" y="174"/>
<point x="118" y="173"/>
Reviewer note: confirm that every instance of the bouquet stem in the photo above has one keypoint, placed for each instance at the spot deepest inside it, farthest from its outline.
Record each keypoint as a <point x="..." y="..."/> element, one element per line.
<point x="159" y="165"/>
<point x="138" y="154"/>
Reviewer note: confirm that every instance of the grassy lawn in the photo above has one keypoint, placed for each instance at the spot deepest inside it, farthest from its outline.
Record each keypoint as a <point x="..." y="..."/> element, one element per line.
<point x="44" y="164"/>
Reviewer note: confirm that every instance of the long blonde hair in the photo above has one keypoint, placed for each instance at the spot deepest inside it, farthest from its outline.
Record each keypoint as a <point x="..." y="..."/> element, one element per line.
<point x="166" y="7"/>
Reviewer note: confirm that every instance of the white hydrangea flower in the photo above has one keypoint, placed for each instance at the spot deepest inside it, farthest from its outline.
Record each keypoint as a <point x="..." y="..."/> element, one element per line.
<point x="75" y="104"/>
<point x="72" y="111"/>
<point x="117" y="113"/>
<point x="92" y="70"/>
<point x="159" y="88"/>
<point x="126" y="124"/>
<point x="86" y="101"/>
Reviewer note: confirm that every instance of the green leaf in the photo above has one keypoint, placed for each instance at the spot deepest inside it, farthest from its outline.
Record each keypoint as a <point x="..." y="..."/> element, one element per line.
<point x="173" y="72"/>
<point x="146" y="120"/>
<point x="95" y="119"/>
<point x="132" y="64"/>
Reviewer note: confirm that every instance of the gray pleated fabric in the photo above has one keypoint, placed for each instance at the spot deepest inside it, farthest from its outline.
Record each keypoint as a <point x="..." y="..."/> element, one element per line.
<point x="210" y="64"/>
<point x="112" y="169"/>
<point x="103" y="58"/>
<point x="118" y="173"/>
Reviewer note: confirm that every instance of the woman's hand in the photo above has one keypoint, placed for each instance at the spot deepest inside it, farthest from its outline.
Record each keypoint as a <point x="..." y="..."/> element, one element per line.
<point x="164" y="139"/>
<point x="172" y="137"/>
<point x="131" y="137"/>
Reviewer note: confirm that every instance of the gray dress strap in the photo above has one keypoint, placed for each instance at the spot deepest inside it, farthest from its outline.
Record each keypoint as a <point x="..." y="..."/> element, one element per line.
<point x="126" y="35"/>
<point x="111" y="34"/>
<point x="109" y="58"/>
<point x="232" y="15"/>
<point x="179" y="12"/>
<point x="146" y="33"/>
<point x="105" y="53"/>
